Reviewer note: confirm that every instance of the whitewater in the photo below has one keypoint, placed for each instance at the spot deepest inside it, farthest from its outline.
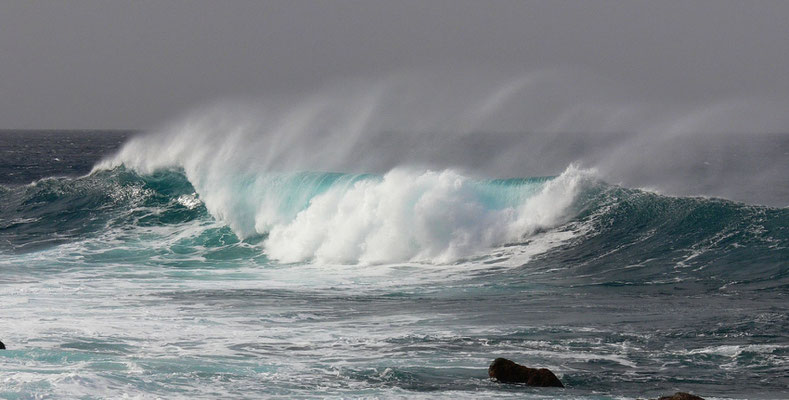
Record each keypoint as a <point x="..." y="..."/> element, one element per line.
<point x="359" y="243"/>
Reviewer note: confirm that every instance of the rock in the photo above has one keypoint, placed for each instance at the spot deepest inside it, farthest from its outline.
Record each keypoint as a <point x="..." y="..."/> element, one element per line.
<point x="504" y="370"/>
<point x="681" y="396"/>
<point x="2" y="346"/>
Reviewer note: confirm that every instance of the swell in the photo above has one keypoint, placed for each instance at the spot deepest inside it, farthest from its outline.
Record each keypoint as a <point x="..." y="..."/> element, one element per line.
<point x="613" y="235"/>
<point x="637" y="238"/>
<point x="54" y="211"/>
<point x="403" y="215"/>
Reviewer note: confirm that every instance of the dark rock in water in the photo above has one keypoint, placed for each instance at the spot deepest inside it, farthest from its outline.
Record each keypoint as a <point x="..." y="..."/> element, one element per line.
<point x="681" y="396"/>
<point x="2" y="346"/>
<point x="504" y="370"/>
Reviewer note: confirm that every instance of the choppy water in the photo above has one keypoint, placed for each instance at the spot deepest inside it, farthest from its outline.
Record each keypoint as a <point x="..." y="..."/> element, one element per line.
<point x="178" y="281"/>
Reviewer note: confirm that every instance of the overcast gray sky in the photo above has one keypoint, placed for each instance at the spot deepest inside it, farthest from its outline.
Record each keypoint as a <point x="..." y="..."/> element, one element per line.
<point x="133" y="64"/>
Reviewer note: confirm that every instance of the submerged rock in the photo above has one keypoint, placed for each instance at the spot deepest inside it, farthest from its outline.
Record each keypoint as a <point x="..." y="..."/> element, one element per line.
<point x="504" y="370"/>
<point x="681" y="396"/>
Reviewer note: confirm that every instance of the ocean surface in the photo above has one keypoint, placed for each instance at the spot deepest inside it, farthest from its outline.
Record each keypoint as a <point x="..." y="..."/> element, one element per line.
<point x="133" y="266"/>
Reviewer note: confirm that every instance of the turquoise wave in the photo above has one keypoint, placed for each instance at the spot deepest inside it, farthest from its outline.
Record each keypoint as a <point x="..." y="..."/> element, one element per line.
<point x="625" y="237"/>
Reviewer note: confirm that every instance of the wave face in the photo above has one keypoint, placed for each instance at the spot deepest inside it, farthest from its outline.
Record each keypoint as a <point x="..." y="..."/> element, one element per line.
<point x="405" y="215"/>
<point x="428" y="216"/>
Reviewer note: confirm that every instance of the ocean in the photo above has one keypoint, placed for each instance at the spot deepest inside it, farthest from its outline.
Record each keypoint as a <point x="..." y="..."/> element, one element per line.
<point x="161" y="265"/>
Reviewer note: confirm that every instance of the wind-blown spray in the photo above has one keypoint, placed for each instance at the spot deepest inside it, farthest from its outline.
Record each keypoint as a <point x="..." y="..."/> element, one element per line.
<point x="266" y="168"/>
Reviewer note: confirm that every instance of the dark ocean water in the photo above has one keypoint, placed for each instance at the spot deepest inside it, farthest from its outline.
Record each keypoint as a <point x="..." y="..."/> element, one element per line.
<point x="26" y="156"/>
<point x="203" y="281"/>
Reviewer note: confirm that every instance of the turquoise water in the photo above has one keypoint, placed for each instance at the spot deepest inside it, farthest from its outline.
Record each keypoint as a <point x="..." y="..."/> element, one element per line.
<point x="405" y="284"/>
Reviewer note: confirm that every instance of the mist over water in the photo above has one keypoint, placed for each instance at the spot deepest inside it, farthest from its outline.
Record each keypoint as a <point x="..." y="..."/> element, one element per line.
<point x="486" y="126"/>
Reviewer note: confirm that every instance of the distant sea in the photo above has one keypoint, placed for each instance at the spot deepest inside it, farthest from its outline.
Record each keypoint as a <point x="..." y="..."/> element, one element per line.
<point x="132" y="268"/>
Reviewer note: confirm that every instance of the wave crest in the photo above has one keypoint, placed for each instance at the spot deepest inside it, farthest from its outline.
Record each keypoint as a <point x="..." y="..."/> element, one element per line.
<point x="260" y="183"/>
<point x="435" y="216"/>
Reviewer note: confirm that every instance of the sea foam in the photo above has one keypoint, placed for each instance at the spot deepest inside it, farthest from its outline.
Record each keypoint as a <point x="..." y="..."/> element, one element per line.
<point x="436" y="216"/>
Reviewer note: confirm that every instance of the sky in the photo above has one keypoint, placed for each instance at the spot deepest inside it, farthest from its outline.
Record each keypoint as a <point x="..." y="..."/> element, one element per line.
<point x="132" y="65"/>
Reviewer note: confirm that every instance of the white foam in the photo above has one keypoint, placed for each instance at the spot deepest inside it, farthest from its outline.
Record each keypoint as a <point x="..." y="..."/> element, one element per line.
<point x="436" y="216"/>
<point x="736" y="350"/>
